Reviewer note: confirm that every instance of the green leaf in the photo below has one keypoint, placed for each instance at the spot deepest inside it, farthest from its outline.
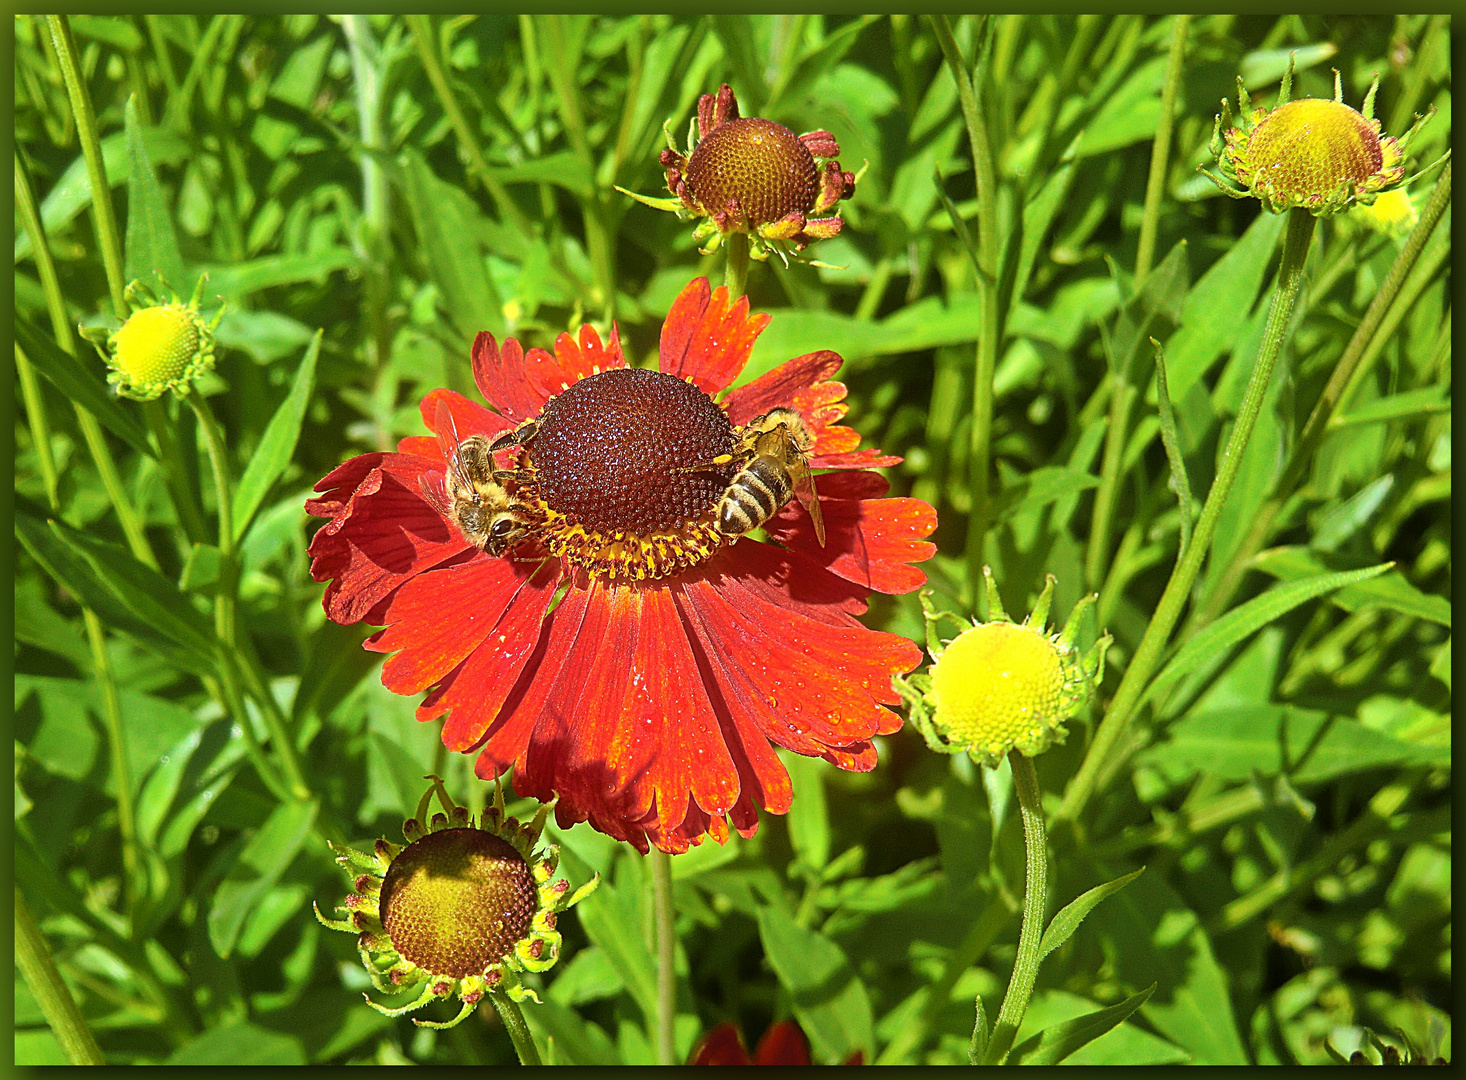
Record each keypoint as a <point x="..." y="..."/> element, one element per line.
<point x="577" y="1041"/>
<point x="1217" y="306"/>
<point x="201" y="569"/>
<point x="1179" y="479"/>
<point x="1054" y="1044"/>
<point x="235" y="280"/>
<point x="65" y="740"/>
<point x="1263" y="67"/>
<point x="1151" y="936"/>
<point x="240" y="1044"/>
<point x="830" y="1002"/>
<point x="152" y="246"/>
<point x="260" y="864"/>
<point x="73" y="192"/>
<point x="1412" y="403"/>
<point x="1063" y="925"/>
<point x="1393" y="591"/>
<point x="447" y="234"/>
<point x="82" y="383"/>
<point x="1242" y="621"/>
<point x="277" y="444"/>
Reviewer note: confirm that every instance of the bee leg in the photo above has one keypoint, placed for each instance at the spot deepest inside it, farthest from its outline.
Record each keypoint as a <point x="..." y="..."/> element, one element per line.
<point x="518" y="437"/>
<point x="519" y="476"/>
<point x="704" y="466"/>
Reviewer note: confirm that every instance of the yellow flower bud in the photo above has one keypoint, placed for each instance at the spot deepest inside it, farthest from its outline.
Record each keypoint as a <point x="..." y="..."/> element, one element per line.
<point x="161" y="346"/>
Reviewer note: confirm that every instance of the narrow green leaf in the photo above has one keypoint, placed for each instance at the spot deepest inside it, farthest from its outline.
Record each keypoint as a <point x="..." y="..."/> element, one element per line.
<point x="240" y="1044"/>
<point x="201" y="569"/>
<point x="82" y="383"/>
<point x="1394" y="591"/>
<point x="611" y="918"/>
<point x="448" y="239"/>
<point x="1250" y="617"/>
<point x="1412" y="403"/>
<point x="233" y="280"/>
<point x="1173" y="446"/>
<point x="70" y="567"/>
<point x="151" y="248"/>
<point x="830" y="1002"/>
<point x="277" y="444"/>
<point x="260" y="864"/>
<point x="977" y="1046"/>
<point x="1053" y="1045"/>
<point x="1063" y="925"/>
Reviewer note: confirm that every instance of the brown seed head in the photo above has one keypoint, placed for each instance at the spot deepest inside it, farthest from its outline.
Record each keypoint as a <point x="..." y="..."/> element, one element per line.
<point x="758" y="164"/>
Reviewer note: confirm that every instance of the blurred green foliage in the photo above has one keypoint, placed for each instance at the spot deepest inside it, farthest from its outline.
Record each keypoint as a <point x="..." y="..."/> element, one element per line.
<point x="401" y="183"/>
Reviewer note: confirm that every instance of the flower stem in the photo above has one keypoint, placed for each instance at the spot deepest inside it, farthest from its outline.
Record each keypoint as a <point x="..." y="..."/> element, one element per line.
<point x="1152" y="645"/>
<point x="969" y="94"/>
<point x="86" y="129"/>
<point x="225" y="625"/>
<point x="735" y="273"/>
<point x="514" y="1023"/>
<point x="1366" y="335"/>
<point x="1035" y="893"/>
<point x="51" y="993"/>
<point x="666" y="922"/>
<point x="1097" y="554"/>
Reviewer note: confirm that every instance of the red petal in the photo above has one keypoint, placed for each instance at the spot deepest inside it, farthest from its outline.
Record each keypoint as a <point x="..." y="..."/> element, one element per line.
<point x="503" y="376"/>
<point x="790" y="580"/>
<point x="782" y="1044"/>
<point x="421" y="446"/>
<point x="721" y="1046"/>
<point x="381" y="533"/>
<point x="453" y="418"/>
<point x="438" y="618"/>
<point x="706" y="341"/>
<point x="804" y="383"/>
<point x="870" y="541"/>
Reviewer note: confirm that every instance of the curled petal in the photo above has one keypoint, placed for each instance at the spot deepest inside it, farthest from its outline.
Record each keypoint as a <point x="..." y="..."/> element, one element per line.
<point x="715" y="109"/>
<point x="381" y="532"/>
<point x="820" y="144"/>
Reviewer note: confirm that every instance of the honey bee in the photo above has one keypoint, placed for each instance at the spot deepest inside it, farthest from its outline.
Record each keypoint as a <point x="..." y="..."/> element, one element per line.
<point x="776" y="470"/>
<point x="472" y="495"/>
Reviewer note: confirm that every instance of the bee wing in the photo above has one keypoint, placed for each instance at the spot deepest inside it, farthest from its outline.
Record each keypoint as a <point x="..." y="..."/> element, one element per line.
<point x="808" y="498"/>
<point x="430" y="483"/>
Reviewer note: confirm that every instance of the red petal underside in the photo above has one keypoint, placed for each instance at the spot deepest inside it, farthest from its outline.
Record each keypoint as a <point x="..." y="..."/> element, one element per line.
<point x="805" y="384"/>
<point x="381" y="533"/>
<point x="868" y="540"/>
<point x="707" y="341"/>
<point x="474" y="692"/>
<point x="437" y="619"/>
<point x="782" y="1044"/>
<point x="721" y="1046"/>
<point x="503" y="379"/>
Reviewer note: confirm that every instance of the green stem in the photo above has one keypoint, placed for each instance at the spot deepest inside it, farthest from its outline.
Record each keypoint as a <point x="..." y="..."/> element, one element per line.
<point x="514" y="1023"/>
<point x="91" y="147"/>
<point x="1157" y="634"/>
<point x="1035" y="893"/>
<point x="35" y="414"/>
<point x="665" y="916"/>
<point x="225" y="626"/>
<point x="91" y="430"/>
<point x="51" y="993"/>
<point x="735" y="273"/>
<point x="1363" y="346"/>
<point x="1123" y="393"/>
<point x="969" y="93"/>
<point x="1160" y="154"/>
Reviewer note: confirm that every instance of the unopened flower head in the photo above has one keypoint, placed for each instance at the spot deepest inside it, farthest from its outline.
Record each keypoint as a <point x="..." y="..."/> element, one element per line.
<point x="463" y="909"/>
<point x="754" y="176"/>
<point x="161" y="347"/>
<point x="1001" y="686"/>
<point x="1317" y="154"/>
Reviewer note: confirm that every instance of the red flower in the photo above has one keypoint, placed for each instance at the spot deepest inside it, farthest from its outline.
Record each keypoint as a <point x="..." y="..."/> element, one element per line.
<point x="782" y="1044"/>
<point x="622" y="652"/>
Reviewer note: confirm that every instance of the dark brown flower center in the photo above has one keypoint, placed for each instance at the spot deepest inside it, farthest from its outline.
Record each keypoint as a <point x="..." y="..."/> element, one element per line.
<point x="457" y="901"/>
<point x="761" y="164"/>
<point x="607" y="447"/>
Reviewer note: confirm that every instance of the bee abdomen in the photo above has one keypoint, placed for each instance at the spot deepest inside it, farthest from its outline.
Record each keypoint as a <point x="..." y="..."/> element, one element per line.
<point x="753" y="497"/>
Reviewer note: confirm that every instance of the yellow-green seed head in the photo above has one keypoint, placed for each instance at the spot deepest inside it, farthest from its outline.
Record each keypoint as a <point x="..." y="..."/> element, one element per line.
<point x="1317" y="154"/>
<point x="161" y="346"/>
<point x="1001" y="686"/>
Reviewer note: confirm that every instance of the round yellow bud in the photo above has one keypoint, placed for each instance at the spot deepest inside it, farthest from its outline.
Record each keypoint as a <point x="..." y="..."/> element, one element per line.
<point x="1000" y="686"/>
